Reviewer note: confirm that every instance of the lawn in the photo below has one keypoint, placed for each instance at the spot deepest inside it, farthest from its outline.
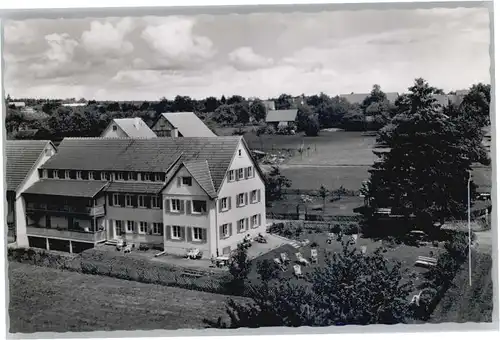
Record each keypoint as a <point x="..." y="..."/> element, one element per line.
<point x="464" y="303"/>
<point x="313" y="177"/>
<point x="49" y="300"/>
<point x="344" y="206"/>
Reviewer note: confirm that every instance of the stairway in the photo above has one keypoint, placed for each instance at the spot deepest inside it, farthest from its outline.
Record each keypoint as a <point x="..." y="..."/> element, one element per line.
<point x="112" y="242"/>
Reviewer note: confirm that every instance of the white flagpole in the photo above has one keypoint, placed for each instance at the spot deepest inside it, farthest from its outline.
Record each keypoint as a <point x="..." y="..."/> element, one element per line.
<point x="468" y="224"/>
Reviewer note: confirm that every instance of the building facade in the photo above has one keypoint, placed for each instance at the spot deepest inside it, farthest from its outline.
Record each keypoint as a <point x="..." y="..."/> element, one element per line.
<point x="168" y="194"/>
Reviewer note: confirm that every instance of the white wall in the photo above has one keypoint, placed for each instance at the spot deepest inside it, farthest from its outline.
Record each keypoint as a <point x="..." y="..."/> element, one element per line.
<point x="232" y="189"/>
<point x="31" y="178"/>
<point x="186" y="219"/>
<point x="109" y="133"/>
<point x="164" y="124"/>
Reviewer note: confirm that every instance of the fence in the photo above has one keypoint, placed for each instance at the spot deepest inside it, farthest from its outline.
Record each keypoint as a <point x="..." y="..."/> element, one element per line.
<point x="315" y="217"/>
<point x="315" y="192"/>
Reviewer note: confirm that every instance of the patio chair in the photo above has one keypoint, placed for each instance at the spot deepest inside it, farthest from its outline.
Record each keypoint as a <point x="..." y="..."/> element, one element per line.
<point x="301" y="259"/>
<point x="363" y="249"/>
<point x="314" y="256"/>
<point x="279" y="264"/>
<point x="128" y="248"/>
<point x="297" y="270"/>
<point x="284" y="258"/>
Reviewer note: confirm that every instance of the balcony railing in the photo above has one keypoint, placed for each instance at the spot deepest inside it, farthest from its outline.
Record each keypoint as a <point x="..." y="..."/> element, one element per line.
<point x="67" y="234"/>
<point x="91" y="211"/>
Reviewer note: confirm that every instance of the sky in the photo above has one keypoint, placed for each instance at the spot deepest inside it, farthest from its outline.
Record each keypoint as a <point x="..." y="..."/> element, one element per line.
<point x="253" y="55"/>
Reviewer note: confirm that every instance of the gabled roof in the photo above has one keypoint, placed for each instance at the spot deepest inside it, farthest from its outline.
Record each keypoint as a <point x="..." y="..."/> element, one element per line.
<point x="281" y="115"/>
<point x="201" y="173"/>
<point x="149" y="155"/>
<point x="58" y="187"/>
<point x="21" y="158"/>
<point x="134" y="127"/>
<point x="188" y="124"/>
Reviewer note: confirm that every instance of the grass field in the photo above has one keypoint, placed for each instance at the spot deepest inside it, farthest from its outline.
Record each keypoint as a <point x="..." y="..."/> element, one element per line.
<point x="464" y="303"/>
<point x="344" y="206"/>
<point x="49" y="300"/>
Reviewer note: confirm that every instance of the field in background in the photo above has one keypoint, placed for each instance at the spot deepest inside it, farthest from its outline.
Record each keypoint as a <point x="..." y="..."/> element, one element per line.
<point x="50" y="300"/>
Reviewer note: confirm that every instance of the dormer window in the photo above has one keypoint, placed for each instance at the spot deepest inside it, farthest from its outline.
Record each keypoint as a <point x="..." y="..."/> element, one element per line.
<point x="50" y="173"/>
<point x="119" y="176"/>
<point x="91" y="175"/>
<point x="78" y="175"/>
<point x="146" y="176"/>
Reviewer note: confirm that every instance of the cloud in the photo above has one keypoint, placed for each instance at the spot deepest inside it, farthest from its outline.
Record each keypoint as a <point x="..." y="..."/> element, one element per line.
<point x="176" y="43"/>
<point x="107" y="39"/>
<point x="61" y="47"/>
<point x="246" y="58"/>
<point x="18" y="32"/>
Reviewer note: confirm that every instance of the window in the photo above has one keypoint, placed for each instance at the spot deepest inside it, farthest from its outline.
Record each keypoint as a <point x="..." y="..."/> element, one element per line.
<point x="91" y="175"/>
<point x="239" y="152"/>
<point x="116" y="199"/>
<point x="128" y="200"/>
<point x="44" y="174"/>
<point x="157" y="229"/>
<point x="142" y="201"/>
<point x="240" y="200"/>
<point x="249" y="172"/>
<point x="118" y="227"/>
<point x="78" y="175"/>
<point x="223" y="203"/>
<point x="176" y="205"/>
<point x="130" y="226"/>
<point x="240" y="173"/>
<point x="231" y="175"/>
<point x="155" y="202"/>
<point x="158" y="177"/>
<point x="61" y="174"/>
<point x="50" y="173"/>
<point x="197" y="234"/>
<point x="225" y="230"/>
<point x="145" y="176"/>
<point x="253" y="196"/>
<point x="143" y="227"/>
<point x="84" y="175"/>
<point x="255" y="220"/>
<point x="67" y="174"/>
<point x="106" y="176"/>
<point x="176" y="232"/>
<point x="187" y="181"/>
<point x="241" y="225"/>
<point x="119" y="176"/>
<point x="199" y="207"/>
<point x="115" y="128"/>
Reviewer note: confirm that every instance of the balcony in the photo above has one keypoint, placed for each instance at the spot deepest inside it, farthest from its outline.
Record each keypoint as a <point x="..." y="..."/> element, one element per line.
<point x="82" y="236"/>
<point x="89" y="211"/>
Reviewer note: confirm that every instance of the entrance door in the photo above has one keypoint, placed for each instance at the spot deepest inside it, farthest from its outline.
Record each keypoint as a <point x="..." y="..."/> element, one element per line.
<point x="111" y="229"/>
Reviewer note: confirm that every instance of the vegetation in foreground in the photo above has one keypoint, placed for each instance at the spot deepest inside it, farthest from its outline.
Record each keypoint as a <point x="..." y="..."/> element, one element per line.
<point x="49" y="300"/>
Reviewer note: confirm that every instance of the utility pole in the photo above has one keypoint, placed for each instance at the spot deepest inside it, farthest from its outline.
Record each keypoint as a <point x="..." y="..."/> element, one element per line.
<point x="468" y="224"/>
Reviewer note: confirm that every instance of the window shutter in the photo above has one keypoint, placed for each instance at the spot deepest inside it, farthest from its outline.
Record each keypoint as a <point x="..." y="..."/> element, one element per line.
<point x="221" y="234"/>
<point x="160" y="201"/>
<point x="182" y="206"/>
<point x="246" y="223"/>
<point x="121" y="200"/>
<point x="179" y="182"/>
<point x="230" y="227"/>
<point x="110" y="199"/>
<point x="136" y="227"/>
<point x="236" y="174"/>
<point x="258" y="195"/>
<point x="229" y="203"/>
<point x="189" y="232"/>
<point x="189" y="207"/>
<point x="220" y="205"/>
<point x="147" y="201"/>
<point x="246" y="198"/>
<point x="167" y="205"/>
<point x="134" y="200"/>
<point x="168" y="235"/>
<point x="260" y="220"/>
<point x="183" y="233"/>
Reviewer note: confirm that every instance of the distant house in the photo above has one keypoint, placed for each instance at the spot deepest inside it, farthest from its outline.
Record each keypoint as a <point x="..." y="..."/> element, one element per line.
<point x="181" y="124"/>
<point x="73" y="104"/>
<point x="269" y="104"/>
<point x="18" y="104"/>
<point x="358" y="98"/>
<point x="128" y="127"/>
<point x="23" y="160"/>
<point x="281" y="118"/>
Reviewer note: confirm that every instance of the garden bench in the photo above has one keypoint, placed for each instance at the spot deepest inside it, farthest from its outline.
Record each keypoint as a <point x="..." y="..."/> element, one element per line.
<point x="426" y="261"/>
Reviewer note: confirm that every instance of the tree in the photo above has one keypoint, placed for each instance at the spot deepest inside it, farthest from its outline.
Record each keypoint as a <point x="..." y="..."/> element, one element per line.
<point x="235" y="100"/>
<point x="303" y="114"/>
<point x="331" y="111"/>
<point x="225" y="115"/>
<point x="241" y="111"/>
<point x="376" y="96"/>
<point x="239" y="269"/>
<point x="268" y="270"/>
<point x="183" y="104"/>
<point x="476" y="104"/>
<point x="312" y="126"/>
<point x="284" y="102"/>
<point x="354" y="120"/>
<point x="323" y="193"/>
<point x="258" y="110"/>
<point x="351" y="289"/>
<point x="275" y="183"/>
<point x="425" y="171"/>
<point x="211" y="104"/>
